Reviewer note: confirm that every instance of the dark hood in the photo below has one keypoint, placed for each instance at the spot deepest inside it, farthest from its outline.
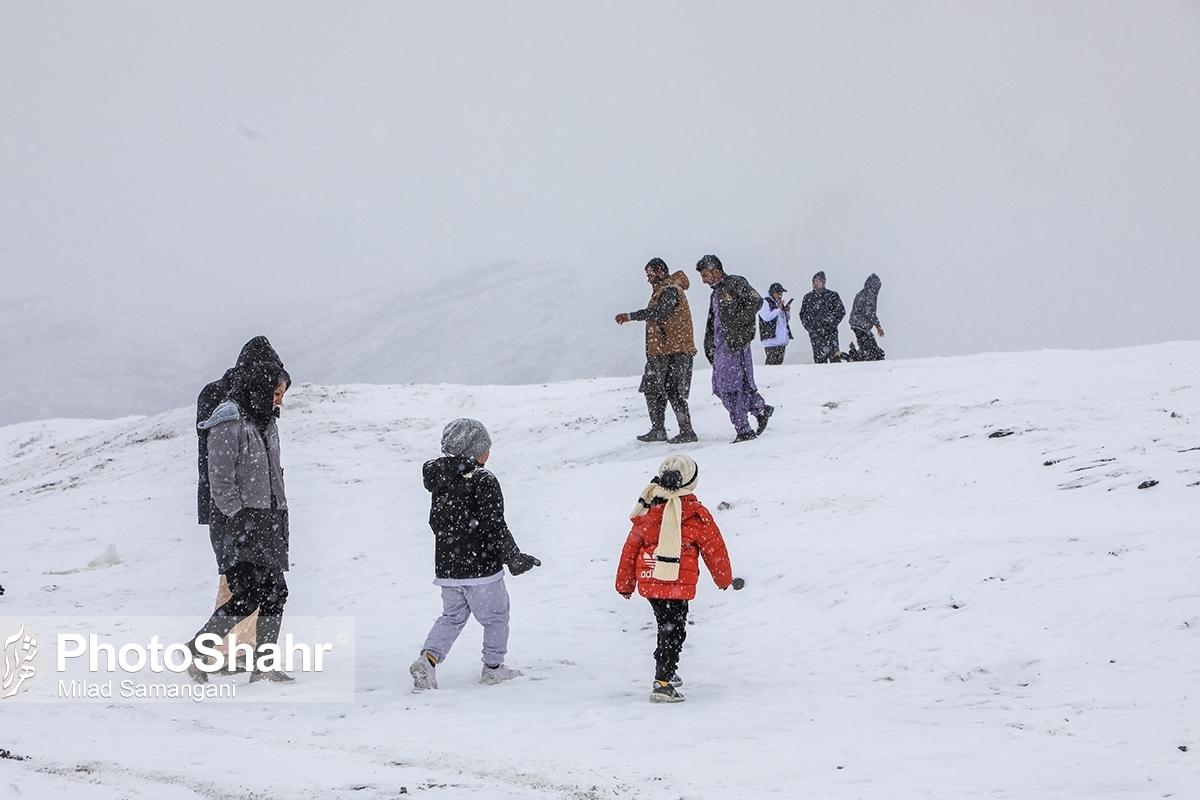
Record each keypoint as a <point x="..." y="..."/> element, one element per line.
<point x="254" y="391"/>
<point x="258" y="351"/>
<point x="873" y="283"/>
<point x="441" y="471"/>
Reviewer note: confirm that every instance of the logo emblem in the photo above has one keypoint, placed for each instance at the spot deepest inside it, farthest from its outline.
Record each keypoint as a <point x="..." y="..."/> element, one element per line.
<point x="19" y="652"/>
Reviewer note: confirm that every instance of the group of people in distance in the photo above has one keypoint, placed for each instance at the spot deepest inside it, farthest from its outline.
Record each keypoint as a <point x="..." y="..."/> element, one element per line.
<point x="241" y="499"/>
<point x="735" y="313"/>
<point x="821" y="312"/>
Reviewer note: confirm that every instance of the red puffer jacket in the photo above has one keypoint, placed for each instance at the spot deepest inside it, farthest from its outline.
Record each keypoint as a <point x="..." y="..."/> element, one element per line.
<point x="701" y="537"/>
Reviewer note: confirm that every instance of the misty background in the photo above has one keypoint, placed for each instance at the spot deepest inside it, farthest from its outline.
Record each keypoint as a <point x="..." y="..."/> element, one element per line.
<point x="467" y="192"/>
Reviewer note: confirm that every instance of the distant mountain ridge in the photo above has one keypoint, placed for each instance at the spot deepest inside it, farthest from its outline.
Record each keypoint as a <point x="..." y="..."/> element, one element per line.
<point x="504" y="323"/>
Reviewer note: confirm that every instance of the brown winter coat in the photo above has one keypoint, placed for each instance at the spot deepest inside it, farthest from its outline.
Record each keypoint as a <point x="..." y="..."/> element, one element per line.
<point x="674" y="334"/>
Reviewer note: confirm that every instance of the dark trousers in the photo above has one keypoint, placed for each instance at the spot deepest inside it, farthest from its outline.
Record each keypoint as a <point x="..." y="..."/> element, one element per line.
<point x="671" y="616"/>
<point x="775" y="354"/>
<point x="824" y="345"/>
<point x="252" y="586"/>
<point x="668" y="379"/>
<point x="868" y="348"/>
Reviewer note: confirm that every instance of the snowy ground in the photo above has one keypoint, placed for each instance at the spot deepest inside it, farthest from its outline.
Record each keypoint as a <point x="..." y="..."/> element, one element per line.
<point x="931" y="610"/>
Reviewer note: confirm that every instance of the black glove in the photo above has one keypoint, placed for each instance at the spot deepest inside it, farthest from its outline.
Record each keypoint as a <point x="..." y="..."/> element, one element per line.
<point x="522" y="563"/>
<point x="1" y="590"/>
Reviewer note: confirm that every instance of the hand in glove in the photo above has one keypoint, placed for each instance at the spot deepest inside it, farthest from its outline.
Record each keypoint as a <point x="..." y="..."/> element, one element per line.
<point x="522" y="563"/>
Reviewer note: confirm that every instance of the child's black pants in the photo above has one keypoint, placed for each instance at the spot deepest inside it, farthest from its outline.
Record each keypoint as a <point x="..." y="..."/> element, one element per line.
<point x="671" y="616"/>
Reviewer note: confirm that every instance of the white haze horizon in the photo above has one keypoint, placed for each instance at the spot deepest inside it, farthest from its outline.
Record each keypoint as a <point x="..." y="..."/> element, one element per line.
<point x="467" y="192"/>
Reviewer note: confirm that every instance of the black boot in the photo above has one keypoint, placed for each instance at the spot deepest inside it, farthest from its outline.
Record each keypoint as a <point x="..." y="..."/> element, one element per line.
<point x="762" y="418"/>
<point x="266" y="631"/>
<point x="686" y="435"/>
<point x="657" y="406"/>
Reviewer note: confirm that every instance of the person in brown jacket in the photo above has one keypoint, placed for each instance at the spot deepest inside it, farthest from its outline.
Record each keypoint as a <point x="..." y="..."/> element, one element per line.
<point x="670" y="348"/>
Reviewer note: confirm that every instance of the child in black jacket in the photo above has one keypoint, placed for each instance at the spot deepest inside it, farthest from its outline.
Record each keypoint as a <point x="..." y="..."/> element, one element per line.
<point x="472" y="547"/>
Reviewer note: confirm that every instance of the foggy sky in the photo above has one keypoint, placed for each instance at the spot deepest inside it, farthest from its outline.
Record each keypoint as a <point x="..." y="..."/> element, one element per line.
<point x="1021" y="175"/>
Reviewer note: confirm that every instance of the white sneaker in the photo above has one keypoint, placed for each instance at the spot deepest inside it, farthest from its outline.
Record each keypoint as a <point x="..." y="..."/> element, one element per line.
<point x="423" y="674"/>
<point x="493" y="675"/>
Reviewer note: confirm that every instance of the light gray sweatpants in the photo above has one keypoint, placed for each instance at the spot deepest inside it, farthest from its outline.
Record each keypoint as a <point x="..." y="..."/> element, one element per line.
<point x="489" y="603"/>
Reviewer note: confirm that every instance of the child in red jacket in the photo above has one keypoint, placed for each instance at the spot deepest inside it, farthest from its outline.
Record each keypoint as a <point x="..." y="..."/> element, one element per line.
<point x="661" y="558"/>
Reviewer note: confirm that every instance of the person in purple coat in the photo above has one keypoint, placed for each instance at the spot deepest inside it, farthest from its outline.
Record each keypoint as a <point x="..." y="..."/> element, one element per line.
<point x="732" y="324"/>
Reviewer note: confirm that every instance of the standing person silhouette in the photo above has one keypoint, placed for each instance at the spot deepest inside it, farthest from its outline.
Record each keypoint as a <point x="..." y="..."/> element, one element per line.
<point x="249" y="514"/>
<point x="821" y="312"/>
<point x="732" y="312"/>
<point x="670" y="348"/>
<point x="863" y="317"/>
<point x="774" y="324"/>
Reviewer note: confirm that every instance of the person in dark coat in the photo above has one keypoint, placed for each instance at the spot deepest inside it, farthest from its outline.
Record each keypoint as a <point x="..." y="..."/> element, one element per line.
<point x="821" y="312"/>
<point x="248" y="523"/>
<point x="257" y="350"/>
<point x="732" y="323"/>
<point x="472" y="545"/>
<point x="863" y="317"/>
<point x="774" y="324"/>
<point x="670" y="348"/>
<point x="254" y="351"/>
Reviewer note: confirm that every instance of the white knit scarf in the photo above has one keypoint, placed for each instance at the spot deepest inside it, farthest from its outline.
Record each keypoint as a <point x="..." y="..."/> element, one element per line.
<point x="670" y="533"/>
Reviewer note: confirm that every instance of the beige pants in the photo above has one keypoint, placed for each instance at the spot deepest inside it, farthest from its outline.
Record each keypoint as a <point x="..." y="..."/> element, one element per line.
<point x="244" y="630"/>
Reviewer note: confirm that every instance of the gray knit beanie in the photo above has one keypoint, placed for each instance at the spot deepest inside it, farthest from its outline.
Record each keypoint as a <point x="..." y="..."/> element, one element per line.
<point x="467" y="438"/>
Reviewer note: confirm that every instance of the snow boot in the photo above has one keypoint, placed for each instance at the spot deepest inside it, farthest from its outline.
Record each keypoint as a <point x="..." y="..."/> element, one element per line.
<point x="683" y="437"/>
<point x="763" y="419"/>
<point x="664" y="692"/>
<point x="272" y="675"/>
<point x="654" y="435"/>
<point x="744" y="437"/>
<point x="423" y="674"/>
<point x="195" y="673"/>
<point x="493" y="675"/>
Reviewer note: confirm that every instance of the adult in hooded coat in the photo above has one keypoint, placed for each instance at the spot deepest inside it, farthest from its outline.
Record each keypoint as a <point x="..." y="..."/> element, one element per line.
<point x="863" y="317"/>
<point x="257" y="350"/>
<point x="732" y="322"/>
<point x="249" y="514"/>
<point x="821" y="312"/>
<point x="670" y="348"/>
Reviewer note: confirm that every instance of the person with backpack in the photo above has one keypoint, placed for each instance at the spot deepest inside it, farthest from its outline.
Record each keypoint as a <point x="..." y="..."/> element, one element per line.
<point x="672" y="531"/>
<point x="472" y="545"/>
<point x="774" y="324"/>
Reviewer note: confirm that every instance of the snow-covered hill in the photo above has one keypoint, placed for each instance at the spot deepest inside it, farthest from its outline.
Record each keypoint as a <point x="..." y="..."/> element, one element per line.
<point x="955" y="589"/>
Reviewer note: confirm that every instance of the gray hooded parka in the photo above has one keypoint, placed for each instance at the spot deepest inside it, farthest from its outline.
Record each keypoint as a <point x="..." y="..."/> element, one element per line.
<point x="246" y="482"/>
